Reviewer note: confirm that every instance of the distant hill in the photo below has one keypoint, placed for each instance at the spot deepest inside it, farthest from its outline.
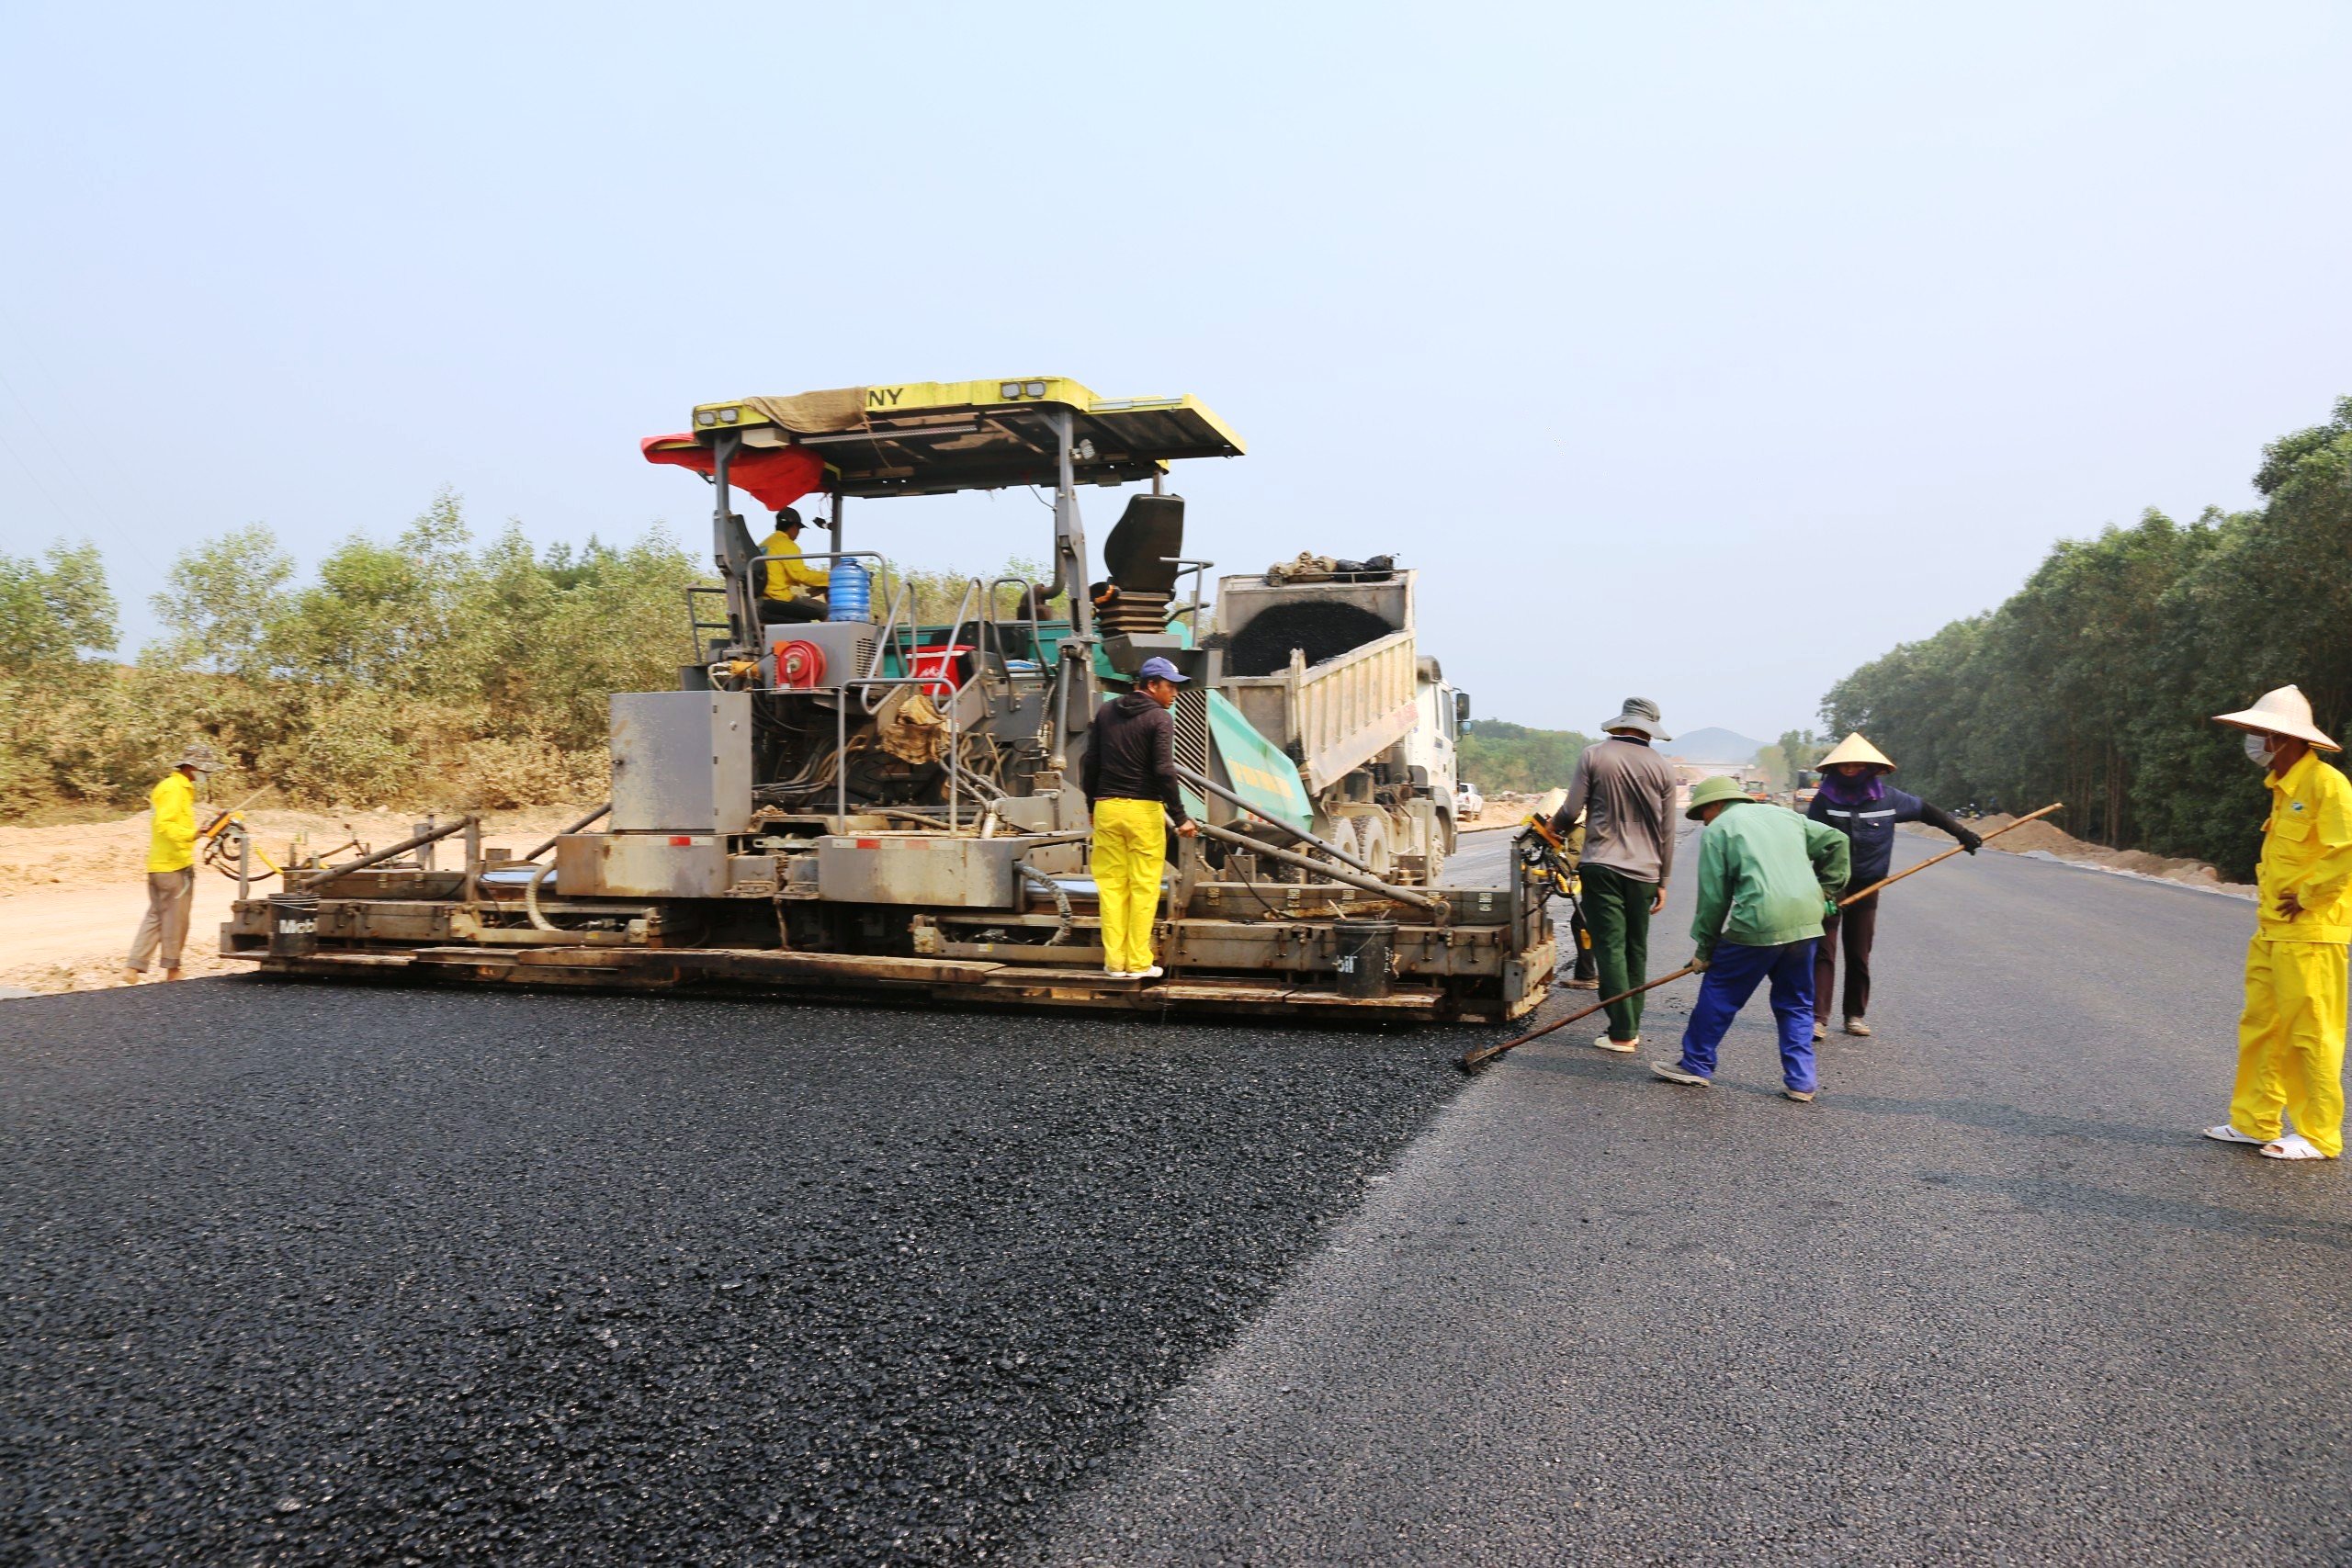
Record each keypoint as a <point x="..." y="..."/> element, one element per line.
<point x="1713" y="746"/>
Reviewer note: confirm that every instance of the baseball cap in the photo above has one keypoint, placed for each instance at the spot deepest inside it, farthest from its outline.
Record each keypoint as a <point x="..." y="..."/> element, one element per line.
<point x="1158" y="668"/>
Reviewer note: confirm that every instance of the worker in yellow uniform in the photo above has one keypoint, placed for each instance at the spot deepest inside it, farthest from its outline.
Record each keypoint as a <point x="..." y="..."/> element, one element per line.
<point x="2291" y="1037"/>
<point x="1129" y="781"/>
<point x="171" y="868"/>
<point x="784" y="578"/>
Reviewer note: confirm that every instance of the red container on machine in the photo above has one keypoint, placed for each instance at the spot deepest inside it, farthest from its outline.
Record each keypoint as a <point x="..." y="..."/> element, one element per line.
<point x="947" y="661"/>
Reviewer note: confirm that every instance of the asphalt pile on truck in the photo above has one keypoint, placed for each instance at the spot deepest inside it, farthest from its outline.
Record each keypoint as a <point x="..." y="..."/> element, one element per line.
<point x="1320" y="630"/>
<point x="464" y="1277"/>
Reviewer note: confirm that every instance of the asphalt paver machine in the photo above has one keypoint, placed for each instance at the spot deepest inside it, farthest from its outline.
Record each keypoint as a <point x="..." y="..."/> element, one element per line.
<point x="875" y="805"/>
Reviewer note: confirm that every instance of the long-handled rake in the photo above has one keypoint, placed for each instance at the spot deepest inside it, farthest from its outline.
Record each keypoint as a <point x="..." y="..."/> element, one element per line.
<point x="1470" y="1062"/>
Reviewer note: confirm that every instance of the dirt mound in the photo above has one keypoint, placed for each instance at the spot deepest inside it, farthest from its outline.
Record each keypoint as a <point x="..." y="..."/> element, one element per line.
<point x="2051" y="839"/>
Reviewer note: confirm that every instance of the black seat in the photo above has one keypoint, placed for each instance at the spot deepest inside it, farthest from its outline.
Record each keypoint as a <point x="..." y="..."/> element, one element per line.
<point x="1141" y="551"/>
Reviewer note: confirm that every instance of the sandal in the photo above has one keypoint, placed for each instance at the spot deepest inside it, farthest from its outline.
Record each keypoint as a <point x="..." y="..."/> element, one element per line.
<point x="2294" y="1145"/>
<point x="1802" y="1096"/>
<point x="2225" y="1134"/>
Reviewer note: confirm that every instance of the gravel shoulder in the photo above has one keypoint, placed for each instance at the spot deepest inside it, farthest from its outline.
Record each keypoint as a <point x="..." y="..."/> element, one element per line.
<point x="303" y="1274"/>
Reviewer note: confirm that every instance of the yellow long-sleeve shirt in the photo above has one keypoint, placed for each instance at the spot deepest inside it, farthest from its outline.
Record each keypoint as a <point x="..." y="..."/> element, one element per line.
<point x="786" y="576"/>
<point x="2307" y="851"/>
<point x="171" y="845"/>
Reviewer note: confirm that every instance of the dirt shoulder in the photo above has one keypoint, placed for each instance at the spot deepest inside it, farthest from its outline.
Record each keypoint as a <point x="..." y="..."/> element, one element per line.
<point x="1508" y="809"/>
<point x="70" y="895"/>
<point x="2044" y="838"/>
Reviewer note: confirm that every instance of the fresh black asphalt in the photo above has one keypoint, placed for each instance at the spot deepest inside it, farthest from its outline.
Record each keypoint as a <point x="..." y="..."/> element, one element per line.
<point x="307" y="1274"/>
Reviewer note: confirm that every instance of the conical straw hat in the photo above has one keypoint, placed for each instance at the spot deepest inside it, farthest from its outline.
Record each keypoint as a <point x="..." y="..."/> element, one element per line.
<point x="2283" y="712"/>
<point x="1854" y="749"/>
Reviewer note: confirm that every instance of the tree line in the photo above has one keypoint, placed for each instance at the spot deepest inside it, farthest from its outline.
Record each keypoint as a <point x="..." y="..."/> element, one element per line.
<point x="2094" y="682"/>
<point x="1497" y="755"/>
<point x="428" y="670"/>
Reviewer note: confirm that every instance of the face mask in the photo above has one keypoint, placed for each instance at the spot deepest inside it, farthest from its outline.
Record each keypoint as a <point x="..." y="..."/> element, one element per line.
<point x="2257" y="750"/>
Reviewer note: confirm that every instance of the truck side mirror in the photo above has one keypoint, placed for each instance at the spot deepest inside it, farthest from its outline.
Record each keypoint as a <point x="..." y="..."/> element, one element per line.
<point x="1461" y="710"/>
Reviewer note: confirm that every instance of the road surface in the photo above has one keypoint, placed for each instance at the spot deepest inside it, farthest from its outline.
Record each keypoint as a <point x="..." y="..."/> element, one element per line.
<point x="1989" y="1299"/>
<point x="307" y="1274"/>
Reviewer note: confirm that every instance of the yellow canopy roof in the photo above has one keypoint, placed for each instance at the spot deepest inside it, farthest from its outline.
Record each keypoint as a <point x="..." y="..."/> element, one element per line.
<point x="931" y="437"/>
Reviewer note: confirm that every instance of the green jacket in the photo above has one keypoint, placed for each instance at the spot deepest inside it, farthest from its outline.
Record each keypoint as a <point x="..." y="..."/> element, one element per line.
<point x="1766" y="876"/>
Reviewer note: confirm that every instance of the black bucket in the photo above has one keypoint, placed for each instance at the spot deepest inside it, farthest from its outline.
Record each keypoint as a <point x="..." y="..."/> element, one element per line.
<point x="1366" y="949"/>
<point x="293" y="925"/>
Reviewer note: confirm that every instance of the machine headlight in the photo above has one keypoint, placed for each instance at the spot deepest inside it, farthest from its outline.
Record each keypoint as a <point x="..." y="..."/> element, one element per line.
<point x="1036" y="388"/>
<point x="706" y="417"/>
<point x="1010" y="390"/>
<point x="728" y="416"/>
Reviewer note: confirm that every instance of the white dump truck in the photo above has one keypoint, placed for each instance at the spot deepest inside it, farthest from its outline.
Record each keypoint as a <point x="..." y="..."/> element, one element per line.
<point x="1319" y="655"/>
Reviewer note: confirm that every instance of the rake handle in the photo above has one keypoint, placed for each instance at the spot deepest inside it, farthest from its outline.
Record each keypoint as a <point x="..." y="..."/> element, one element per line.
<point x="1955" y="850"/>
<point x="1485" y="1054"/>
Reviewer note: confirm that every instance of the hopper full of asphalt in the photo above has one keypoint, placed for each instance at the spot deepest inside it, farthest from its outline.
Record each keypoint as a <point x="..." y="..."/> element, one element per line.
<point x="295" y="1273"/>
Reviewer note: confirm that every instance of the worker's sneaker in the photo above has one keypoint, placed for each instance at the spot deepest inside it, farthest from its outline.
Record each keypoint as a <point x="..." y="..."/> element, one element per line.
<point x="1854" y="1026"/>
<point x="1675" y="1072"/>
<point x="1622" y="1047"/>
<point x="1154" y="972"/>
<point x="1584" y="985"/>
<point x="1802" y="1096"/>
<point x="1819" y="1033"/>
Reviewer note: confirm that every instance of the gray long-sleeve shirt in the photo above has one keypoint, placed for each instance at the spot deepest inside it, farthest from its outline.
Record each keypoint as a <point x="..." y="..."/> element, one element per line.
<point x="1626" y="792"/>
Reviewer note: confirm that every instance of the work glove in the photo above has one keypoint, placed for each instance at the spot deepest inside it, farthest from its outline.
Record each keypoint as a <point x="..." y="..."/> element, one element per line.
<point x="1700" y="960"/>
<point x="1828" y="906"/>
<point x="1971" y="841"/>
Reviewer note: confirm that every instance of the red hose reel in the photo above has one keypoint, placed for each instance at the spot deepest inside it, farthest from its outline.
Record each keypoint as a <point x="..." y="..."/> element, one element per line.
<point x="800" y="666"/>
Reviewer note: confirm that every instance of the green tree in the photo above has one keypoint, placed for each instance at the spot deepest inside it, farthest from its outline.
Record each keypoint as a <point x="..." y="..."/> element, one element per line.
<point x="222" y="600"/>
<point x="1497" y="755"/>
<point x="54" y="610"/>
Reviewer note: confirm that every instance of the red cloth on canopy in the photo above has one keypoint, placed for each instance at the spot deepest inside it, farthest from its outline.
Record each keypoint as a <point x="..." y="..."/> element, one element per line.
<point x="775" y="477"/>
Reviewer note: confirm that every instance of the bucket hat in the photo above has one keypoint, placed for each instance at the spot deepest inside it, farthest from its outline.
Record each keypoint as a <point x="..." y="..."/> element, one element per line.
<point x="1706" y="792"/>
<point x="1854" y="749"/>
<point x="1640" y="713"/>
<point x="2283" y="712"/>
<point x="199" y="756"/>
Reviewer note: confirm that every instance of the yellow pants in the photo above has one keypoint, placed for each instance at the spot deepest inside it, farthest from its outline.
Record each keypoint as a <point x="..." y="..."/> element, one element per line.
<point x="1130" y="847"/>
<point x="2291" y="1041"/>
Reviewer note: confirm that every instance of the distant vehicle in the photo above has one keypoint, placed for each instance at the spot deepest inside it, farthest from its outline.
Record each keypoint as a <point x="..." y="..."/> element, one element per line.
<point x="1757" y="789"/>
<point x="1468" y="803"/>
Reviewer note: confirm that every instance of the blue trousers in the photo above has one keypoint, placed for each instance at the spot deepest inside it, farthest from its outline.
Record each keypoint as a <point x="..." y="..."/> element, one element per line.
<point x="1732" y="977"/>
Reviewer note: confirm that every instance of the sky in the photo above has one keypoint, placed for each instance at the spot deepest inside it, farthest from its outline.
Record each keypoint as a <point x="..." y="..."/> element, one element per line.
<point x="1696" y="351"/>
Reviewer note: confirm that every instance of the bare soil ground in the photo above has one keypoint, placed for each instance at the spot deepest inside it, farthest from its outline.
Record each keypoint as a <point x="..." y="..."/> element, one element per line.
<point x="71" y="895"/>
<point x="1508" y="809"/>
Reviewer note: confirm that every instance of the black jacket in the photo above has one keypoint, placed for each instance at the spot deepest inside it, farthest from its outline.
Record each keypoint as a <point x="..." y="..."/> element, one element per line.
<point x="1872" y="827"/>
<point x="1131" y="755"/>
